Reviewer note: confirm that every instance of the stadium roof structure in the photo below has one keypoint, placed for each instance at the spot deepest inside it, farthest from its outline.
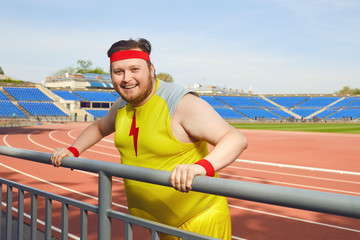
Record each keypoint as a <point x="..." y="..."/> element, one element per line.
<point x="79" y="81"/>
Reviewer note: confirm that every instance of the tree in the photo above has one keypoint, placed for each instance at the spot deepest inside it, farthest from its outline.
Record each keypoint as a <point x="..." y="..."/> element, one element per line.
<point x="1" y="71"/>
<point x="165" y="77"/>
<point x="84" y="66"/>
<point x="97" y="70"/>
<point x="348" y="90"/>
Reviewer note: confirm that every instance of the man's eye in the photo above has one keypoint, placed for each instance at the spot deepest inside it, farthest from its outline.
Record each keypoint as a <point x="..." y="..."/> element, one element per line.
<point x="135" y="69"/>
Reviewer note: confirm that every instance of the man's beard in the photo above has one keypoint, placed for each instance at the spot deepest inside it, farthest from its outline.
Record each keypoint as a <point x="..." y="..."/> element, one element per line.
<point x="141" y="96"/>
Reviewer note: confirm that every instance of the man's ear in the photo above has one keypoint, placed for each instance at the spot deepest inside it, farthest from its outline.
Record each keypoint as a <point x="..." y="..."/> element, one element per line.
<point x="152" y="71"/>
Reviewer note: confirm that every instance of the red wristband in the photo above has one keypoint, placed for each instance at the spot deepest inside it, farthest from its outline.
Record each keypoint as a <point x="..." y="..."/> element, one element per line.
<point x="74" y="151"/>
<point x="210" y="171"/>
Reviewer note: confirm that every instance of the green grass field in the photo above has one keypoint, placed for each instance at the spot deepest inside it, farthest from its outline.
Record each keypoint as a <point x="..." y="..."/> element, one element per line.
<point x="303" y="127"/>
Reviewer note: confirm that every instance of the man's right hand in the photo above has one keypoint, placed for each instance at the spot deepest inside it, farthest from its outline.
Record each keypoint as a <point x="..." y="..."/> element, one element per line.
<point x="58" y="155"/>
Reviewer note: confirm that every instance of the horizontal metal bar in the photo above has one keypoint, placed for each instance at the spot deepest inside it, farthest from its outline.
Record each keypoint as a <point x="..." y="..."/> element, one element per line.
<point x="332" y="203"/>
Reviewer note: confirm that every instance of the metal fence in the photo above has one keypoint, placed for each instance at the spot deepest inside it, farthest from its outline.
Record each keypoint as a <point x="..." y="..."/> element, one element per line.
<point x="331" y="203"/>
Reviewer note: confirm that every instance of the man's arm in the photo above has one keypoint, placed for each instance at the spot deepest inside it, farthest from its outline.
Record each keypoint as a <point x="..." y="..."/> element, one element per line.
<point x="201" y="121"/>
<point x="90" y="136"/>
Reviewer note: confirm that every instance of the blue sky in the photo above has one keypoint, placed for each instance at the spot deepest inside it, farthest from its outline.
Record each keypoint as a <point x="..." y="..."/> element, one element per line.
<point x="274" y="46"/>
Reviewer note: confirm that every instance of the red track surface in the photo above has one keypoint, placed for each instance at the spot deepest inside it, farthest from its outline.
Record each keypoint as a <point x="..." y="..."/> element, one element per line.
<point x="251" y="220"/>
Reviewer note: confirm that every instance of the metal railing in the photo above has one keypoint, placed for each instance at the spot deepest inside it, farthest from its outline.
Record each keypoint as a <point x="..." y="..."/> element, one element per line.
<point x="331" y="203"/>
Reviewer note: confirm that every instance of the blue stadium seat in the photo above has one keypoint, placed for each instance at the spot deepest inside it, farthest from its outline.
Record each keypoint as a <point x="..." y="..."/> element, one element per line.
<point x="7" y="109"/>
<point x="288" y="102"/>
<point x="344" y="102"/>
<point x="3" y="97"/>
<point x="96" y="96"/>
<point x="257" y="112"/>
<point x="213" y="102"/>
<point x="327" y="112"/>
<point x="227" y="113"/>
<point x="355" y="103"/>
<point x="66" y="95"/>
<point x="97" y="113"/>
<point x="27" y="94"/>
<point x="97" y="84"/>
<point x="237" y="101"/>
<point x="305" y="112"/>
<point x="317" y="102"/>
<point x="263" y="102"/>
<point x="346" y="113"/>
<point x="42" y="109"/>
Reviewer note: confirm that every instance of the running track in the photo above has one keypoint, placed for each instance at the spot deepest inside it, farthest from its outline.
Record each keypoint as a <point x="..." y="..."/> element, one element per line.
<point x="316" y="161"/>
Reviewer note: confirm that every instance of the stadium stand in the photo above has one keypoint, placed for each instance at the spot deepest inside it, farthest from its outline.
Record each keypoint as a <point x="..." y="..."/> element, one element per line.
<point x="97" y="113"/>
<point x="27" y="94"/>
<point x="288" y="102"/>
<point x="213" y="102"/>
<point x="97" y="84"/>
<point x="96" y="96"/>
<point x="257" y="113"/>
<point x="355" y="103"/>
<point x="346" y="113"/>
<point x="228" y="114"/>
<point x="66" y="95"/>
<point x="7" y="109"/>
<point x="317" y="102"/>
<point x="80" y="101"/>
<point x="3" y="97"/>
<point x="314" y="104"/>
<point x="237" y="101"/>
<point x="42" y="109"/>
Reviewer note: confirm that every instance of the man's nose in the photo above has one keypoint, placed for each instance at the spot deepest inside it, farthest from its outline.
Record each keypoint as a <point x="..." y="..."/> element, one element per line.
<point x="127" y="76"/>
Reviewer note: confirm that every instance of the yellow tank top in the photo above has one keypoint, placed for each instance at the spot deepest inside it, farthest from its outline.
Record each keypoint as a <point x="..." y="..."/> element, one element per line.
<point x="144" y="138"/>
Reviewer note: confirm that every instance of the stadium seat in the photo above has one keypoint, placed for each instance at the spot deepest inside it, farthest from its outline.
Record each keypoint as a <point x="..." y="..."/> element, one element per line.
<point x="27" y="94"/>
<point x="66" y="95"/>
<point x="7" y="108"/>
<point x="96" y="96"/>
<point x="42" y="109"/>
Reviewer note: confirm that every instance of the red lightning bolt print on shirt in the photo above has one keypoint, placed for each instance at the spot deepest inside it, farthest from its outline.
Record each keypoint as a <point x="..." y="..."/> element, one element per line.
<point x="134" y="131"/>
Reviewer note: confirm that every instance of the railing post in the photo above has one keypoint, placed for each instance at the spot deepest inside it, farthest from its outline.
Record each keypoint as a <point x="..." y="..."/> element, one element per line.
<point x="0" y="208"/>
<point x="20" y="214"/>
<point x="105" y="192"/>
<point x="9" y="212"/>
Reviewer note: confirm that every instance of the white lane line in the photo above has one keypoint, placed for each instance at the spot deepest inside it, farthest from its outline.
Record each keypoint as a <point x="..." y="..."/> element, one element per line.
<point x="90" y="150"/>
<point x="99" y="145"/>
<point x="291" y="184"/>
<point x="51" y="149"/>
<point x="237" y="238"/>
<point x="56" y="185"/>
<point x="5" y="136"/>
<point x="295" y="219"/>
<point x="294" y="175"/>
<point x="299" y="167"/>
<point x="108" y="140"/>
<point x="38" y="144"/>
<point x="43" y="223"/>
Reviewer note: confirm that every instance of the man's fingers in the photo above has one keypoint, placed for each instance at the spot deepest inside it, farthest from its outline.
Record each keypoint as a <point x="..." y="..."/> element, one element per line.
<point x="58" y="155"/>
<point x="182" y="177"/>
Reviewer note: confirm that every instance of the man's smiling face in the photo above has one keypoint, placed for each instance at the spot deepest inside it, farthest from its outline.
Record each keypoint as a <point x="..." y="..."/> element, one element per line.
<point x="133" y="79"/>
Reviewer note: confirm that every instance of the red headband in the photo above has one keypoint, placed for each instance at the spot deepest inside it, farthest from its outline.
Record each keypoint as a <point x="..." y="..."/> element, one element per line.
<point x="126" y="54"/>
